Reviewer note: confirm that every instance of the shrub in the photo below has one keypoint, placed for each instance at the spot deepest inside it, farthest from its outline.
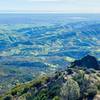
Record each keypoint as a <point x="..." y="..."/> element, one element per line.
<point x="8" y="98"/>
<point x="92" y="90"/>
<point x="98" y="86"/>
<point x="87" y="87"/>
<point x="29" y="96"/>
<point x="91" y="71"/>
<point x="56" y="98"/>
<point x="42" y="95"/>
<point x="54" y="90"/>
<point x="79" y="77"/>
<point x="40" y="81"/>
<point x="14" y="92"/>
<point x="25" y="90"/>
<point x="17" y="90"/>
<point x="98" y="74"/>
<point x="69" y="71"/>
<point x="70" y="90"/>
<point x="38" y="84"/>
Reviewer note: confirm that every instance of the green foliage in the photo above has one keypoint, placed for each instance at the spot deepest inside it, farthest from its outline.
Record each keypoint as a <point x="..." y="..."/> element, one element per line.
<point x="91" y="90"/>
<point x="70" y="90"/>
<point x="79" y="77"/>
<point x="29" y="96"/>
<point x="17" y="90"/>
<point x="8" y="98"/>
<point x="54" y="90"/>
<point x="42" y="95"/>
<point x="87" y="87"/>
<point x="25" y="90"/>
<point x="89" y="71"/>
<point x="98" y="86"/>
<point x="78" y="84"/>
<point x="14" y="92"/>
<point x="40" y="81"/>
<point x="56" y="98"/>
<point x="69" y="71"/>
<point x="98" y="74"/>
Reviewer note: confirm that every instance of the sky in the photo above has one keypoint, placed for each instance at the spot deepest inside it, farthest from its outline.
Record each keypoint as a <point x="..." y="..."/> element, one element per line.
<point x="51" y="6"/>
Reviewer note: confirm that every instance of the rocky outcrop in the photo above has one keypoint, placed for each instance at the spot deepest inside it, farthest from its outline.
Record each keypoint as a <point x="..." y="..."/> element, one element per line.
<point x="87" y="62"/>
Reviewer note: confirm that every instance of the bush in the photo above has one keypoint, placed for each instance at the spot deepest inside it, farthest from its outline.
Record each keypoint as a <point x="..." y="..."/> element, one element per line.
<point x="69" y="71"/>
<point x="42" y="95"/>
<point x="70" y="90"/>
<point x="37" y="84"/>
<point x="89" y="71"/>
<point x="54" y="90"/>
<point x="29" y="96"/>
<point x="98" y="86"/>
<point x="25" y="90"/>
<point x="14" y="92"/>
<point x="87" y="87"/>
<point x="79" y="77"/>
<point x="17" y="90"/>
<point x="8" y="98"/>
<point x="56" y="98"/>
<point x="92" y="90"/>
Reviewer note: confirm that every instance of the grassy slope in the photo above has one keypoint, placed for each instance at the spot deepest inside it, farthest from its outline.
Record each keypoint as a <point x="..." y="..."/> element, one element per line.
<point x="49" y="87"/>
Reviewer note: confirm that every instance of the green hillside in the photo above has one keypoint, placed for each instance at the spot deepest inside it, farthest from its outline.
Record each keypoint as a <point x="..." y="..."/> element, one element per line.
<point x="72" y="83"/>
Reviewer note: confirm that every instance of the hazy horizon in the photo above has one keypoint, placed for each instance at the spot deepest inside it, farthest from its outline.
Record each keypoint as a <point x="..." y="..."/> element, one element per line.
<point x="50" y="6"/>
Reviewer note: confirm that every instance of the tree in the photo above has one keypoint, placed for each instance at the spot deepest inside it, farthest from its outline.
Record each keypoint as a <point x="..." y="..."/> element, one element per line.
<point x="70" y="90"/>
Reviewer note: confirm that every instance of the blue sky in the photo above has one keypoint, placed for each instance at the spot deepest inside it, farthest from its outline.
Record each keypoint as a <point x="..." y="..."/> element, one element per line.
<point x="61" y="6"/>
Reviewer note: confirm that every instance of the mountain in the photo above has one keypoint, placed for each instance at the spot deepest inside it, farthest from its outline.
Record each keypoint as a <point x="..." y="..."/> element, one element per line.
<point x="50" y="43"/>
<point x="70" y="83"/>
<point x="29" y="50"/>
<point x="87" y="62"/>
